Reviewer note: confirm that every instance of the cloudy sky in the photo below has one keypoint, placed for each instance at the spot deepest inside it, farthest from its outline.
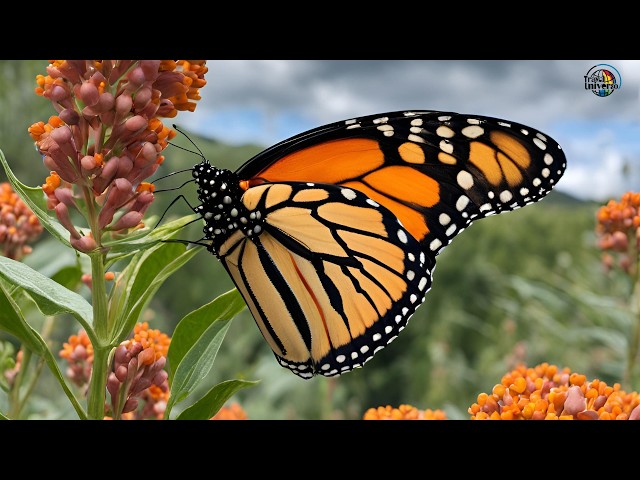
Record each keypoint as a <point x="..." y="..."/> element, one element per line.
<point x="265" y="101"/>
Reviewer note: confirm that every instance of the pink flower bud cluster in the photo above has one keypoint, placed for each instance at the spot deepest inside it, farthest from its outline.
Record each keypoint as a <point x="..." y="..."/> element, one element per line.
<point x="106" y="138"/>
<point x="618" y="231"/>
<point x="11" y="373"/>
<point x="78" y="352"/>
<point x="18" y="224"/>
<point x="135" y="370"/>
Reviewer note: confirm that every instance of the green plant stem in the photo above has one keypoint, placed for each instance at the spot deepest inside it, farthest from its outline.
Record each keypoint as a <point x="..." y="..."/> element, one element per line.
<point x="98" y="383"/>
<point x="46" y="331"/>
<point x="15" y="401"/>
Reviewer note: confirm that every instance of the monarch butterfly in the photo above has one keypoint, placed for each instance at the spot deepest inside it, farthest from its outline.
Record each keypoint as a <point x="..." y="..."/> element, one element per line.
<point x="331" y="236"/>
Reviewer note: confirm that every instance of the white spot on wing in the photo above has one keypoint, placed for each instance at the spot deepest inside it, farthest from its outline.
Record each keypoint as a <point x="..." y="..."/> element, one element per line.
<point x="473" y="131"/>
<point x="446" y="146"/>
<point x="444" y="132"/>
<point x="541" y="145"/>
<point x="348" y="193"/>
<point x="462" y="202"/>
<point x="505" y="196"/>
<point x="465" y="180"/>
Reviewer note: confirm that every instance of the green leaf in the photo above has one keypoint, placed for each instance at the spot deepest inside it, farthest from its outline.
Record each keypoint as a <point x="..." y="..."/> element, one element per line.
<point x="2" y="417"/>
<point x="145" y="238"/>
<point x="194" y="324"/>
<point x="69" y="277"/>
<point x="194" y="366"/>
<point x="140" y="280"/>
<point x="51" y="297"/>
<point x="7" y="362"/>
<point x="208" y="406"/>
<point x="36" y="200"/>
<point x="13" y="322"/>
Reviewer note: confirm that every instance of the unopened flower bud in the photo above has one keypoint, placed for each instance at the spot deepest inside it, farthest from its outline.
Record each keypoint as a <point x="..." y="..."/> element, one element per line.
<point x="62" y="212"/>
<point x="136" y="77"/>
<point x="150" y="69"/>
<point x="121" y="355"/>
<point x="121" y="373"/>
<point x="130" y="405"/>
<point x="124" y="166"/>
<point x="128" y="220"/>
<point x="142" y="98"/>
<point x="160" y="377"/>
<point x="123" y="104"/>
<point x="84" y="244"/>
<point x="69" y="116"/>
<point x="89" y="94"/>
<point x="575" y="401"/>
<point x="135" y="124"/>
<point x="113" y="384"/>
<point x="64" y="195"/>
<point x="58" y="93"/>
<point x="88" y="162"/>
<point x="146" y="357"/>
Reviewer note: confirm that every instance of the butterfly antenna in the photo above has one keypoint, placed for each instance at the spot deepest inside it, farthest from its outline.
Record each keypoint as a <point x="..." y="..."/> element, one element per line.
<point x="186" y="242"/>
<point x="171" y="204"/>
<point x="174" y="188"/>
<point x="177" y="171"/>
<point x="192" y="143"/>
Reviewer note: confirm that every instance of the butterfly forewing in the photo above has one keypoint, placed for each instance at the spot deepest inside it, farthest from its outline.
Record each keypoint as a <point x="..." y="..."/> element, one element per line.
<point x="436" y="171"/>
<point x="332" y="279"/>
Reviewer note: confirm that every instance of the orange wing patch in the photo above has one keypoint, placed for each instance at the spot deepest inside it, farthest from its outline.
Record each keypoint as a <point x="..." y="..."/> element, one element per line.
<point x="356" y="156"/>
<point x="505" y="163"/>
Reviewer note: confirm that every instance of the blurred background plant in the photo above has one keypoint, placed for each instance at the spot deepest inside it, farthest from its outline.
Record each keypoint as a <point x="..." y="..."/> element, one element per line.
<point x="528" y="288"/>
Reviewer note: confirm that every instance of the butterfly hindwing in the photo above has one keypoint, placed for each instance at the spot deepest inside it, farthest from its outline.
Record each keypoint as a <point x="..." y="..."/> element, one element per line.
<point x="332" y="278"/>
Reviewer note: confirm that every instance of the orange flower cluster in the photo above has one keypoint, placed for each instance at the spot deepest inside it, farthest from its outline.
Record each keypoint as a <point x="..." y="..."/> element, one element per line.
<point x="78" y="352"/>
<point x="403" y="412"/>
<point x="618" y="229"/>
<point x="545" y="392"/>
<point x="231" y="412"/>
<point x="18" y="224"/>
<point x="138" y="374"/>
<point x="153" y="339"/>
<point x="107" y="136"/>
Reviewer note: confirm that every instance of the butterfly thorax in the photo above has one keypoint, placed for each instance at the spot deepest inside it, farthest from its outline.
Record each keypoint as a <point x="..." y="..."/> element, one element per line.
<point x="221" y="207"/>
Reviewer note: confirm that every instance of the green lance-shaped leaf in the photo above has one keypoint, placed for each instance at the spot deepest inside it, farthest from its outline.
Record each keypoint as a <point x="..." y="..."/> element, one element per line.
<point x="142" y="239"/>
<point x="50" y="297"/>
<point x="188" y="369"/>
<point x="194" y="324"/>
<point x="208" y="406"/>
<point x="140" y="280"/>
<point x="13" y="322"/>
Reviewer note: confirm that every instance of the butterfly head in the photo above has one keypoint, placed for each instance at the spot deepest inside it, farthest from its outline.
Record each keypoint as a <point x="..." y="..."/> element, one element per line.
<point x="221" y="205"/>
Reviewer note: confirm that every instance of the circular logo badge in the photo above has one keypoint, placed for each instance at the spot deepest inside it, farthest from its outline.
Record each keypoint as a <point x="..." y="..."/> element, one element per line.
<point x="602" y="80"/>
